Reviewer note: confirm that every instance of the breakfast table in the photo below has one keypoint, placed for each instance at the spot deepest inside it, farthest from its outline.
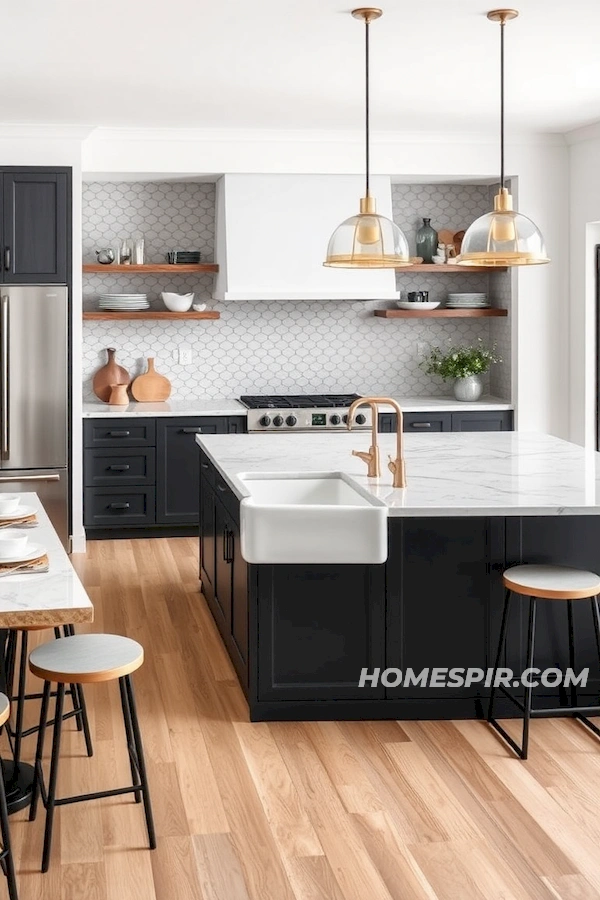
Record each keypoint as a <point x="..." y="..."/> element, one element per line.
<point x="52" y="596"/>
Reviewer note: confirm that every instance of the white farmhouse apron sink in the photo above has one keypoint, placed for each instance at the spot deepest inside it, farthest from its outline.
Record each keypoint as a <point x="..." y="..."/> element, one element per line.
<point x="310" y="518"/>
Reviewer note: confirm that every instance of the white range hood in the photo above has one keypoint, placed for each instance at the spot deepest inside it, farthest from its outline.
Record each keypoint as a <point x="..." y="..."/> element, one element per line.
<point x="272" y="233"/>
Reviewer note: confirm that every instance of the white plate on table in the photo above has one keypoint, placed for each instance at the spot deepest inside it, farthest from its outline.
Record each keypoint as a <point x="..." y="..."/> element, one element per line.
<point x="22" y="513"/>
<point x="35" y="552"/>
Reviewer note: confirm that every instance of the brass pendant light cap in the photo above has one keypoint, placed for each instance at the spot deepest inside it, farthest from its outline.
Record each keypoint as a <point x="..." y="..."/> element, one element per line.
<point x="503" y="201"/>
<point x="368" y="206"/>
<point x="367" y="13"/>
<point x="502" y="15"/>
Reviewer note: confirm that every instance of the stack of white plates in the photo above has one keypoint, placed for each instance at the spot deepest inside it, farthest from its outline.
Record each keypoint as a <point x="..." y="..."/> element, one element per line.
<point x="123" y="302"/>
<point x="467" y="301"/>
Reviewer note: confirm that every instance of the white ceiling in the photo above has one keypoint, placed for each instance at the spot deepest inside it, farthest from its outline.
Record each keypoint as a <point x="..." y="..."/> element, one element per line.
<point x="296" y="65"/>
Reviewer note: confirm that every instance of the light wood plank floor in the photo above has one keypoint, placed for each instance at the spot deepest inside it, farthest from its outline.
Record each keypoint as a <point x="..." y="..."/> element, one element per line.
<point x="298" y="811"/>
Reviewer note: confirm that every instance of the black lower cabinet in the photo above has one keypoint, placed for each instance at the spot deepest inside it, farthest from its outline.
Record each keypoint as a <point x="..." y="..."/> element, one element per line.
<point x="427" y="423"/>
<point x="318" y="626"/>
<point x="157" y="459"/>
<point x="224" y="575"/>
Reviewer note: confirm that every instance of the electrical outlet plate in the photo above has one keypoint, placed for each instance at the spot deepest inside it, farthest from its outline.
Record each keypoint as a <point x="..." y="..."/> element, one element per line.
<point x="185" y="356"/>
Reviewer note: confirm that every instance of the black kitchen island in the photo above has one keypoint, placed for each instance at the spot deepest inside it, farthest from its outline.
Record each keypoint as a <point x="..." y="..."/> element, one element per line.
<point x="299" y="636"/>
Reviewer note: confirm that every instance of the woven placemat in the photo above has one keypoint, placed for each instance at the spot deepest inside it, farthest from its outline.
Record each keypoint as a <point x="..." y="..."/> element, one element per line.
<point x="31" y="519"/>
<point x="30" y="566"/>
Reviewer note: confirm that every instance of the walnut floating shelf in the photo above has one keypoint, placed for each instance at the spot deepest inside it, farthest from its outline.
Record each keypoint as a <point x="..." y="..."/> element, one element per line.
<point x="150" y="268"/>
<point x="151" y="314"/>
<point x="447" y="269"/>
<point x="439" y="313"/>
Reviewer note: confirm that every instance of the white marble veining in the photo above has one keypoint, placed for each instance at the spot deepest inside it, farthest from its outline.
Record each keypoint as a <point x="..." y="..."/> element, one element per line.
<point x="455" y="474"/>
<point x="53" y="597"/>
<point x="193" y="406"/>
<point x="206" y="406"/>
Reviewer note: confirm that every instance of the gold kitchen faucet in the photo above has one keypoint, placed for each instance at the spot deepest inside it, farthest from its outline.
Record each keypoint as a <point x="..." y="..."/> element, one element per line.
<point x="371" y="457"/>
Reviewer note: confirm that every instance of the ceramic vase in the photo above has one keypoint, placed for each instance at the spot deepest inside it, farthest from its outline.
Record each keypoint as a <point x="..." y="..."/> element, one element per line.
<point x="118" y="395"/>
<point x="468" y="389"/>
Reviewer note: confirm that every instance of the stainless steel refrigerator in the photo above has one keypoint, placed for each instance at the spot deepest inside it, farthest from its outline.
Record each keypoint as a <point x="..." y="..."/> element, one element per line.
<point x="34" y="396"/>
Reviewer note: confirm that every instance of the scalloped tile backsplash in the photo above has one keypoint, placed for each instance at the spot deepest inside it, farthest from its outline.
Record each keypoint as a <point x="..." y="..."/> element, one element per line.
<point x="268" y="346"/>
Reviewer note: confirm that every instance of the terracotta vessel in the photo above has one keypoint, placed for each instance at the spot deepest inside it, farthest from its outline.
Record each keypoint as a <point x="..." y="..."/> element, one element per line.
<point x="108" y="375"/>
<point x="118" y="395"/>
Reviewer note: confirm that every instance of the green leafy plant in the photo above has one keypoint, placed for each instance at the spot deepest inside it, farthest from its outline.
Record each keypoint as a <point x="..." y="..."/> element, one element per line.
<point x="460" y="362"/>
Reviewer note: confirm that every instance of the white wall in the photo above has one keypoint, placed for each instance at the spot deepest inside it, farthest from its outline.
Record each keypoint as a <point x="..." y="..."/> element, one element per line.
<point x="40" y="146"/>
<point x="539" y="165"/>
<point x="584" y="231"/>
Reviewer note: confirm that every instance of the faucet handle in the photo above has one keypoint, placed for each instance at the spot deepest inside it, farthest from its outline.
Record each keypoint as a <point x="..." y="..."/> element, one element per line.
<point x="392" y="464"/>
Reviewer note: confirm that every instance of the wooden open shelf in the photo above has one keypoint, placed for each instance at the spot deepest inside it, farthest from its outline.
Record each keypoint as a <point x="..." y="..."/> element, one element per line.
<point x="151" y="268"/>
<point x="96" y="315"/>
<point x="440" y="313"/>
<point x="447" y="269"/>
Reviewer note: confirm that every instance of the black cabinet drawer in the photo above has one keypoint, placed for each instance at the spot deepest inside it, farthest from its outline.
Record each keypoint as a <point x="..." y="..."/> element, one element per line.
<point x="425" y="423"/>
<point x="105" y="506"/>
<point x="119" y="432"/>
<point x="125" y="467"/>
<point x="490" y="420"/>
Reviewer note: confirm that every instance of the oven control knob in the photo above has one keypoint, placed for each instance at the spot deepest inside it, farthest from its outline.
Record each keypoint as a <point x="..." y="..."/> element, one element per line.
<point x="265" y="421"/>
<point x="335" y="420"/>
<point x="345" y="420"/>
<point x="360" y="419"/>
<point x="278" y="421"/>
<point x="291" y="420"/>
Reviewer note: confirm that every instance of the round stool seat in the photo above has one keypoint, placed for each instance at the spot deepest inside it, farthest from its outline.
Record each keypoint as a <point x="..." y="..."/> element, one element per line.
<point x="4" y="708"/>
<point x="85" y="658"/>
<point x="552" y="582"/>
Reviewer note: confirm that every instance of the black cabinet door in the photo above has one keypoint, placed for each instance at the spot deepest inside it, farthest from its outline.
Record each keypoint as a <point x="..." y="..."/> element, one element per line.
<point x="178" y="467"/>
<point x="490" y="420"/>
<point x="36" y="224"/>
<point x="207" y="539"/>
<point x="419" y="423"/>
<point x="239" y="609"/>
<point x="439" y="579"/>
<point x="223" y="569"/>
<point x="318" y="627"/>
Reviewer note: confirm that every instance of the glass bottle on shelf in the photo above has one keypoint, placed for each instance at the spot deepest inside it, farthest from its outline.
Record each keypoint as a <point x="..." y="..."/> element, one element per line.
<point x="138" y="252"/>
<point x="427" y="239"/>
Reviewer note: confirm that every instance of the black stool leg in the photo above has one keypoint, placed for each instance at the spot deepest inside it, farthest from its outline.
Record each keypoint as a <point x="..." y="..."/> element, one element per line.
<point x="501" y="640"/>
<point x="69" y="631"/>
<point x="7" y="858"/>
<point x="35" y="790"/>
<point x="21" y="696"/>
<point x="529" y="690"/>
<point x="58" y="720"/>
<point x="129" y="737"/>
<point x="573" y="687"/>
<point x="139" y="750"/>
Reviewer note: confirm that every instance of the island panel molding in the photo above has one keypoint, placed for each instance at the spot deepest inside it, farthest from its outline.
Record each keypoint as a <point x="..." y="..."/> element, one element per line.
<point x="343" y="335"/>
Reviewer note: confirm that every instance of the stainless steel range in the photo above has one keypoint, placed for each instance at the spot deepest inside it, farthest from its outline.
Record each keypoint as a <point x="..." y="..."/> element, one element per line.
<point x="304" y="412"/>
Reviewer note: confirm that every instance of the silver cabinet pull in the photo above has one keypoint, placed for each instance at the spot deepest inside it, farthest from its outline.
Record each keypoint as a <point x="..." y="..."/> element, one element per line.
<point x="5" y="479"/>
<point x="4" y="438"/>
<point x="420" y="424"/>
<point x="118" y="505"/>
<point x="190" y="430"/>
<point x="119" y="433"/>
<point x="123" y="467"/>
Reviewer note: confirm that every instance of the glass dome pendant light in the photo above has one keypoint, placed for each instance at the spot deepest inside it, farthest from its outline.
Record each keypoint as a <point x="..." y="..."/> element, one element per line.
<point x="503" y="237"/>
<point x="367" y="240"/>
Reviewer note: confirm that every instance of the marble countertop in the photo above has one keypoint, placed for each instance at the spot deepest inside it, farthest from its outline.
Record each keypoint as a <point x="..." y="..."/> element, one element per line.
<point x="56" y="597"/>
<point x="194" y="406"/>
<point x="205" y="406"/>
<point x="448" y="474"/>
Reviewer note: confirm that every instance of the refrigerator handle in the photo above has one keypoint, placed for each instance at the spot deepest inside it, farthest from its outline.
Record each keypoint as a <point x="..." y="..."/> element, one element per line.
<point x="4" y="436"/>
<point x="6" y="479"/>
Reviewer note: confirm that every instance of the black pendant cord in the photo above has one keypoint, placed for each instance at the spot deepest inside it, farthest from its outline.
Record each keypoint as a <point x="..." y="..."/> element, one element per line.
<point x="367" y="112"/>
<point x="502" y="26"/>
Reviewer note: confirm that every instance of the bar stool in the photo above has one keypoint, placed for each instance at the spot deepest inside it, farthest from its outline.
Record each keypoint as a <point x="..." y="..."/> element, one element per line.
<point x="86" y="659"/>
<point x="545" y="583"/>
<point x="6" y="858"/>
<point x="79" y="711"/>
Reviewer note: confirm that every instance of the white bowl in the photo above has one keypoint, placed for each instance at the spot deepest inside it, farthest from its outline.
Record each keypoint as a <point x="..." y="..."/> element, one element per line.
<point x="13" y="543"/>
<point x="199" y="307"/>
<point x="439" y="260"/>
<point x="9" y="503"/>
<point x="177" y="302"/>
<point x="406" y="304"/>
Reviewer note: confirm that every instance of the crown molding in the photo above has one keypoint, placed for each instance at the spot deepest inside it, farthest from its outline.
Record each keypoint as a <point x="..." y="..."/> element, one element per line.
<point x="585" y="133"/>
<point x="247" y="135"/>
<point x="23" y="131"/>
